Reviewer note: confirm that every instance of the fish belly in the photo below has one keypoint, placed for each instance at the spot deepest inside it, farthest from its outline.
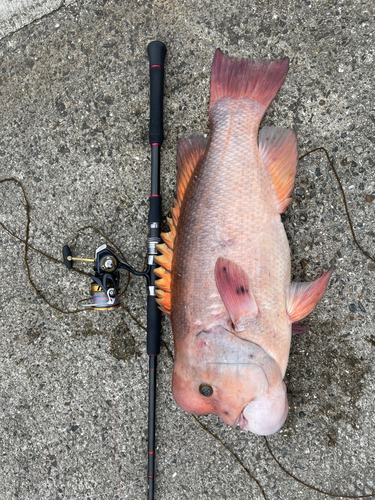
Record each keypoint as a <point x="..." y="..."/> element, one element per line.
<point x="229" y="210"/>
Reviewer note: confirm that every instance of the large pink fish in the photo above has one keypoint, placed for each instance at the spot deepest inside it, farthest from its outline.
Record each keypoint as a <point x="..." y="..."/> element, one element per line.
<point x="225" y="275"/>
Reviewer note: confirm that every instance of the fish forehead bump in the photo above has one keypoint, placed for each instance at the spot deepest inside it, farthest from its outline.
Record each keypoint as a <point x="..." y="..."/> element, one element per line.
<point x="267" y="414"/>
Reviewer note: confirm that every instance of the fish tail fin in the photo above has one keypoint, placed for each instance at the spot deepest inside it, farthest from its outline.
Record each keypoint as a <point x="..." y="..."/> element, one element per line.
<point x="247" y="78"/>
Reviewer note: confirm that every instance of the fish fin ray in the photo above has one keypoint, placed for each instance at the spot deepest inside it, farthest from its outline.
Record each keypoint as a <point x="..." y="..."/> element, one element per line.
<point x="164" y="250"/>
<point x="164" y="261"/>
<point x="175" y="212"/>
<point x="298" y="329"/>
<point x="235" y="291"/>
<point x="161" y="306"/>
<point x="190" y="150"/>
<point x="168" y="239"/>
<point x="279" y="153"/>
<point x="161" y="272"/>
<point x="248" y="78"/>
<point x="164" y="283"/>
<point x="301" y="298"/>
<point x="163" y="299"/>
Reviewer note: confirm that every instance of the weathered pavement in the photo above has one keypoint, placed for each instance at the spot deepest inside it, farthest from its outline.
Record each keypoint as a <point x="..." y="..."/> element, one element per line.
<point x="16" y="14"/>
<point x="74" y="108"/>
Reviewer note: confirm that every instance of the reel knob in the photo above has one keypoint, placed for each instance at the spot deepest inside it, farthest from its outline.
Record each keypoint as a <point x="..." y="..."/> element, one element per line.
<point x="68" y="259"/>
<point x="67" y="253"/>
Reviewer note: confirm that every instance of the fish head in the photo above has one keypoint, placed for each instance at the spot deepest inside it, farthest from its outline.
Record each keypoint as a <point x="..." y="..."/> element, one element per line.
<point x="217" y="372"/>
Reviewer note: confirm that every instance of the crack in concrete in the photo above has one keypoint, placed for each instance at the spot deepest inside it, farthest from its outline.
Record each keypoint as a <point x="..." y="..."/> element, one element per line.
<point x="37" y="19"/>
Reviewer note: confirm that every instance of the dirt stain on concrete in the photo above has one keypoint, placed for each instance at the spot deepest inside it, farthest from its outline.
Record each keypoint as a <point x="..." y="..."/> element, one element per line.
<point x="329" y="369"/>
<point x="122" y="343"/>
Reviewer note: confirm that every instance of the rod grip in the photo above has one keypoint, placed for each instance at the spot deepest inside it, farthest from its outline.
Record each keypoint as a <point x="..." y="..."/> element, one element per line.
<point x="154" y="214"/>
<point x="156" y="53"/>
<point x="153" y="326"/>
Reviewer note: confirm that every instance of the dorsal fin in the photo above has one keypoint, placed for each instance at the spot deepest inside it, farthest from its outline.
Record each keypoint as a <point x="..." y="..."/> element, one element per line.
<point x="190" y="150"/>
<point x="278" y="150"/>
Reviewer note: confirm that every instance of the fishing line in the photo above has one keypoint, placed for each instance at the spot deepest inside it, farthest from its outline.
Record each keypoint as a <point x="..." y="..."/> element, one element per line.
<point x="169" y="352"/>
<point x="164" y="344"/>
<point x="371" y="258"/>
<point x="343" y="197"/>
<point x="309" y="485"/>
<point x="53" y="259"/>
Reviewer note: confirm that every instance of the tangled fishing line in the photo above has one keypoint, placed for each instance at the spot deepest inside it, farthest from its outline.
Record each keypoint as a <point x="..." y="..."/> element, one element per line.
<point x="28" y="246"/>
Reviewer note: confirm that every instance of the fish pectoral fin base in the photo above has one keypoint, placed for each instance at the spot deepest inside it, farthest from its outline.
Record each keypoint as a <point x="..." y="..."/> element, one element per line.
<point x="190" y="150"/>
<point x="256" y="79"/>
<point x="279" y="153"/>
<point x="235" y="291"/>
<point x="301" y="298"/>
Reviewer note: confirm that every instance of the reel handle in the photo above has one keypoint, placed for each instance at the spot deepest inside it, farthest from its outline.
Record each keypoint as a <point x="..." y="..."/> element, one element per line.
<point x="156" y="53"/>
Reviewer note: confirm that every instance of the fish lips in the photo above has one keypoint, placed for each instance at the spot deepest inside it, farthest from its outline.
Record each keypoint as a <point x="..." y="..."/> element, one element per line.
<point x="265" y="415"/>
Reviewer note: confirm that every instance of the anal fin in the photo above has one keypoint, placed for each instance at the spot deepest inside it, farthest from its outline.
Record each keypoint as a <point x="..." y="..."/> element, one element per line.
<point x="301" y="298"/>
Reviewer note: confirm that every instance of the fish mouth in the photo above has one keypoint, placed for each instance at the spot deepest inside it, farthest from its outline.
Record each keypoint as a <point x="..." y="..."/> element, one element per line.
<point x="242" y="422"/>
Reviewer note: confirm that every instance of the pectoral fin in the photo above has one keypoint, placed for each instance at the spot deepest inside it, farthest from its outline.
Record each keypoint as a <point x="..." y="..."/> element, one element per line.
<point x="301" y="298"/>
<point x="235" y="290"/>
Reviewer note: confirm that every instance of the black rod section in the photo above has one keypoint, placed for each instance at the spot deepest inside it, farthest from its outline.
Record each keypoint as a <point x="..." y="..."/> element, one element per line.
<point x="155" y="170"/>
<point x="151" y="427"/>
<point x="156" y="52"/>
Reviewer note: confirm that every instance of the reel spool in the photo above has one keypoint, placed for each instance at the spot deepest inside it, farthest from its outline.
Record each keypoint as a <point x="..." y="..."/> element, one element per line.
<point x="105" y="282"/>
<point x="100" y="299"/>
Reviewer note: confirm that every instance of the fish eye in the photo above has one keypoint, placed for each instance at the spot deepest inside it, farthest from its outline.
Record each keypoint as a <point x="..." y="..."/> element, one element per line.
<point x="206" y="390"/>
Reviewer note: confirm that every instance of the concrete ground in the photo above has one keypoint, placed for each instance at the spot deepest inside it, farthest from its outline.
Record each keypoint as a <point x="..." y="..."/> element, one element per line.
<point x="74" y="107"/>
<point x="16" y="14"/>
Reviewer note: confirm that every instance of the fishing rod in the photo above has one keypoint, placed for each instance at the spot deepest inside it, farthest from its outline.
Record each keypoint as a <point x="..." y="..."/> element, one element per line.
<point x="156" y="52"/>
<point x="107" y="264"/>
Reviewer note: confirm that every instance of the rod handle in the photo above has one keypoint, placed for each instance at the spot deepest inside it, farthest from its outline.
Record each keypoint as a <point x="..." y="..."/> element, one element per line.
<point x="156" y="53"/>
<point x="153" y="326"/>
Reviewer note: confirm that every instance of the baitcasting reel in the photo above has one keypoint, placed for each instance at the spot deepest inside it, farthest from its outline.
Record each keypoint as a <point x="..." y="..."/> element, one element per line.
<point x="105" y="282"/>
